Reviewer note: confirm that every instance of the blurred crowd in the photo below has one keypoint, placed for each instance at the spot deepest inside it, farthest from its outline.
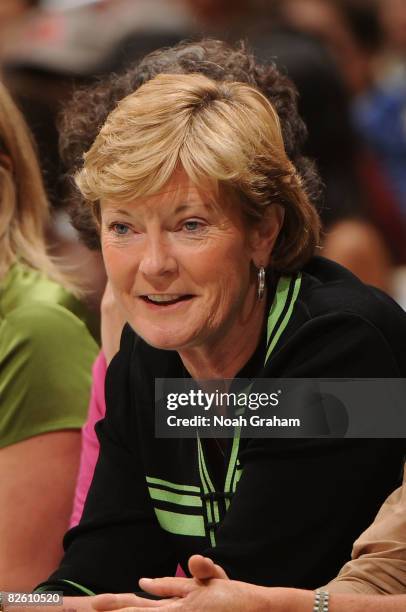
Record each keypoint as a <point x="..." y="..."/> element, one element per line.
<point x="346" y="57"/>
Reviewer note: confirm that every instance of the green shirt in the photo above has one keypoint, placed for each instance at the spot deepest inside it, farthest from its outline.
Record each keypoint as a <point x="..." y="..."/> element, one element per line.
<point x="46" y="355"/>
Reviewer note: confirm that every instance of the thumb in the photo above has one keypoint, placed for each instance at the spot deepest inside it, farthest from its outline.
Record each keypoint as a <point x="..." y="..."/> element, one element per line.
<point x="203" y="568"/>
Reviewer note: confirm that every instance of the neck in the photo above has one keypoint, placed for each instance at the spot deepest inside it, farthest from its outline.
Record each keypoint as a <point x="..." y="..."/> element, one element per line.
<point x="225" y="357"/>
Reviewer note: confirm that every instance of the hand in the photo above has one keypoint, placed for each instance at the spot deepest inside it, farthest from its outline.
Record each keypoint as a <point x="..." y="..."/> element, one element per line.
<point x="125" y="601"/>
<point x="209" y="589"/>
<point x="201" y="568"/>
<point x="214" y="595"/>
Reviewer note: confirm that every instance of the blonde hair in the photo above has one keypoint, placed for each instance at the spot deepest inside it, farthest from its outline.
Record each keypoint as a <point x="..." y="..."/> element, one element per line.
<point x="24" y="208"/>
<point x="222" y="134"/>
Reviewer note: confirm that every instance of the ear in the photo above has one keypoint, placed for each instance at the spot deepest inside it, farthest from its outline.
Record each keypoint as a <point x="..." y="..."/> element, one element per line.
<point x="264" y="234"/>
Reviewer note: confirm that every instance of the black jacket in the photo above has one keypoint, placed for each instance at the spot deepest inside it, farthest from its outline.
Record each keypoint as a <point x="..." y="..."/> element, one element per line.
<point x="281" y="512"/>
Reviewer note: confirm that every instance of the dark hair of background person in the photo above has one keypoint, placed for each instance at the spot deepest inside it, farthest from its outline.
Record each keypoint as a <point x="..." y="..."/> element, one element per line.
<point x="362" y="19"/>
<point x="88" y="109"/>
<point x="324" y="105"/>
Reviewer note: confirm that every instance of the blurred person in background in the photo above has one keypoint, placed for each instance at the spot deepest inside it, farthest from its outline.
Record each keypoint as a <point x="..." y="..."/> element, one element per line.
<point x="46" y="353"/>
<point x="348" y="28"/>
<point x="352" y="33"/>
<point x="380" y="112"/>
<point x="11" y="12"/>
<point x="392" y="14"/>
<point x="226" y="19"/>
<point x="350" y="237"/>
<point x="68" y="43"/>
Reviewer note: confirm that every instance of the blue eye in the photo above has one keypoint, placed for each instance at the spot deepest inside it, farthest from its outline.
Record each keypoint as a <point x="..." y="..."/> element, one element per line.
<point x="192" y="226"/>
<point x="120" y="229"/>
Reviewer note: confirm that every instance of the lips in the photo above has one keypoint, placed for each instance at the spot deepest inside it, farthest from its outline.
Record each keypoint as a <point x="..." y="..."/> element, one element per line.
<point x="165" y="299"/>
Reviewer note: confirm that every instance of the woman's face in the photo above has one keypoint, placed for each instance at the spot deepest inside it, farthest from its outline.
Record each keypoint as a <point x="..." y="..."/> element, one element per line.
<point x="181" y="266"/>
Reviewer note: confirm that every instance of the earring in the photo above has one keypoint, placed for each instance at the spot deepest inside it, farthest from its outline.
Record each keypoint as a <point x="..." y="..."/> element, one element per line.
<point x="261" y="282"/>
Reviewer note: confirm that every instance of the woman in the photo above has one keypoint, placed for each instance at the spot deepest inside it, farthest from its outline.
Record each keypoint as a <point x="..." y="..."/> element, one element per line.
<point x="89" y="109"/>
<point x="79" y="127"/>
<point x="195" y="197"/>
<point x="46" y="354"/>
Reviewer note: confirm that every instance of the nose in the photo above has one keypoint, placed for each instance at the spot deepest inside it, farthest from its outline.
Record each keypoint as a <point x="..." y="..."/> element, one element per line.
<point x="157" y="259"/>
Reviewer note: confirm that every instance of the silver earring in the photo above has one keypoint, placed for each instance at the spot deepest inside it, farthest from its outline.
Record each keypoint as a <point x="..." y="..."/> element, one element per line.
<point x="261" y="282"/>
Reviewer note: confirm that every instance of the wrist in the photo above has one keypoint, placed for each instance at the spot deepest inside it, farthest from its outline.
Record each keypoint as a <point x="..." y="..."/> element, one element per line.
<point x="289" y="600"/>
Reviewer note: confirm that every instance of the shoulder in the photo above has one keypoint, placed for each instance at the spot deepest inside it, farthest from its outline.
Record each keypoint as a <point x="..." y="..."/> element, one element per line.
<point x="328" y="287"/>
<point x="338" y="321"/>
<point x="40" y="312"/>
<point x="43" y="326"/>
<point x="329" y="290"/>
<point x="46" y="354"/>
<point x="28" y="294"/>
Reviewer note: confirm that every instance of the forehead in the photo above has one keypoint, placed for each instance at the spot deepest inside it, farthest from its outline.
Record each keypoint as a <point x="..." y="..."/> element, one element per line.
<point x="179" y="193"/>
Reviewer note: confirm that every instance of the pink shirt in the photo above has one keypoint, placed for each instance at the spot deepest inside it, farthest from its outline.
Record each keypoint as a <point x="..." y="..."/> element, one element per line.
<point x="90" y="443"/>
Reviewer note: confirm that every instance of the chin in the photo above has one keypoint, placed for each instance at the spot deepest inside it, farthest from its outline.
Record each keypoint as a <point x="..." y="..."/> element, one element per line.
<point x="167" y="341"/>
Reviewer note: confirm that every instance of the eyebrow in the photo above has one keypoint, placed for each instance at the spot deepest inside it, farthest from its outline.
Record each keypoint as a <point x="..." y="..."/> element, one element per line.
<point x="112" y="212"/>
<point x="179" y="209"/>
<point x="120" y="211"/>
<point x="183" y="207"/>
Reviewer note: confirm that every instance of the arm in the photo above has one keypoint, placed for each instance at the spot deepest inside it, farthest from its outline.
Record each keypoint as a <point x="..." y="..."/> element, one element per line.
<point x="300" y="503"/>
<point x="378" y="562"/>
<point x="271" y="511"/>
<point x="222" y="596"/>
<point x="44" y="392"/>
<point x="209" y="589"/>
<point x="299" y="506"/>
<point x="118" y="539"/>
<point x="37" y="482"/>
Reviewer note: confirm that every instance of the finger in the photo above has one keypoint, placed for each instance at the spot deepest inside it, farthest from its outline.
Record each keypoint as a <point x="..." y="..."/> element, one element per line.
<point x="120" y="601"/>
<point x="165" y="604"/>
<point x="167" y="587"/>
<point x="143" y="604"/>
<point x="203" y="568"/>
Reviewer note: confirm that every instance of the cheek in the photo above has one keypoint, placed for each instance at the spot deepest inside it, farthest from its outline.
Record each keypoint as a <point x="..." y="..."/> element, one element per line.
<point x="119" y="266"/>
<point x="228" y="270"/>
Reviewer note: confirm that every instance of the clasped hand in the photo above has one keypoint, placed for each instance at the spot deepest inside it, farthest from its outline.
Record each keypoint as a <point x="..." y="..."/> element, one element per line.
<point x="208" y="589"/>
